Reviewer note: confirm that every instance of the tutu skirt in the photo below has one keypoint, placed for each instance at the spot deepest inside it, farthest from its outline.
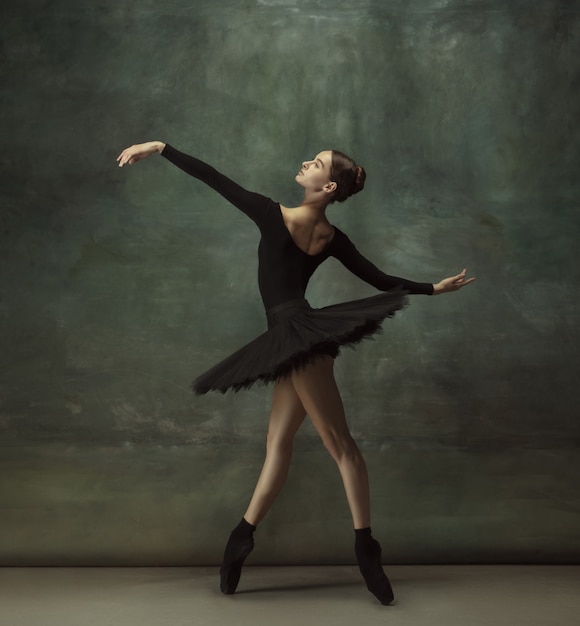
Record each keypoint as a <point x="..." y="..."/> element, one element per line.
<point x="296" y="335"/>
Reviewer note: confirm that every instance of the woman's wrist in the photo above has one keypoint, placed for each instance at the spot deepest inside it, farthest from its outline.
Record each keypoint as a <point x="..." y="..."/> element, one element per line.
<point x="159" y="145"/>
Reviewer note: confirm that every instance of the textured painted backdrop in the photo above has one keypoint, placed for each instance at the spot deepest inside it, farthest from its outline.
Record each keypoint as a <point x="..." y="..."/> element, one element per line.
<point x="119" y="286"/>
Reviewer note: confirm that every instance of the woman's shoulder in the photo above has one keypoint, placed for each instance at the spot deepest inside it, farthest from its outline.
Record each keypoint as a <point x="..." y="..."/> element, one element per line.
<point x="340" y="237"/>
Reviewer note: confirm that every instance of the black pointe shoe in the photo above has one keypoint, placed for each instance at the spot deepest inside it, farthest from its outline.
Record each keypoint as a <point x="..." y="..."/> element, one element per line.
<point x="231" y="569"/>
<point x="369" y="563"/>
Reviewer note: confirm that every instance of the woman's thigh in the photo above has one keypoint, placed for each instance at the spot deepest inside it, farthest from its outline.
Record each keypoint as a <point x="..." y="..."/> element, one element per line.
<point x="317" y="390"/>
<point x="287" y="412"/>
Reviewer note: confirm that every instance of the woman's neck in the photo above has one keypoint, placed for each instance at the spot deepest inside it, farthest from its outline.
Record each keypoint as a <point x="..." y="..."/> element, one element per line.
<point x="314" y="204"/>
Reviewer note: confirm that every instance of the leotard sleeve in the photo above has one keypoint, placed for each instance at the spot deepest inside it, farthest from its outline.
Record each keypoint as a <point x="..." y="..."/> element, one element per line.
<point x="346" y="252"/>
<point x="254" y="205"/>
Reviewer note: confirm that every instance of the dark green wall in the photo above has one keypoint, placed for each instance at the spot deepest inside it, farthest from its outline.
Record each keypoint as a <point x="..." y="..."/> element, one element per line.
<point x="119" y="286"/>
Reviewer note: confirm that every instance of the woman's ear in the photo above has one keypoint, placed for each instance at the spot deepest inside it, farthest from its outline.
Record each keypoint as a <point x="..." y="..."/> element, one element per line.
<point x="330" y="187"/>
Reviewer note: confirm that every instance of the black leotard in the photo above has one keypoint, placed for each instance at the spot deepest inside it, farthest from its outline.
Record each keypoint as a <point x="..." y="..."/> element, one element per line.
<point x="284" y="269"/>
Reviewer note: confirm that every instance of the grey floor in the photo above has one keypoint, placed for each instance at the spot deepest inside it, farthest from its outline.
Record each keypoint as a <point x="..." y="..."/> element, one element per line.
<point x="426" y="595"/>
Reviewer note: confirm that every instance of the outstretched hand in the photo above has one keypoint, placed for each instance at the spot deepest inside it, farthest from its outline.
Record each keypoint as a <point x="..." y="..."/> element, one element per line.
<point x="453" y="283"/>
<point x="139" y="151"/>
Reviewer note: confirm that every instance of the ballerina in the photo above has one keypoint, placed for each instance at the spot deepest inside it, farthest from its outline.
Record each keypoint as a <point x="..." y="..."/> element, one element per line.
<point x="297" y="351"/>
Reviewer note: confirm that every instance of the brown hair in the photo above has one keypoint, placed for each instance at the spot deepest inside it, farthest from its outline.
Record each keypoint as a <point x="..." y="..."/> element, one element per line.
<point x="348" y="176"/>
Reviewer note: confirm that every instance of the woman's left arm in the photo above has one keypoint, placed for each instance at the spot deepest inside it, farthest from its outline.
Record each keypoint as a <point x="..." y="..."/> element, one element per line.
<point x="254" y="205"/>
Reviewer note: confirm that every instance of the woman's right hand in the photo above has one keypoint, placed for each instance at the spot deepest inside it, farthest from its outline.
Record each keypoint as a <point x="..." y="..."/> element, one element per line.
<point x="453" y="283"/>
<point x="139" y="151"/>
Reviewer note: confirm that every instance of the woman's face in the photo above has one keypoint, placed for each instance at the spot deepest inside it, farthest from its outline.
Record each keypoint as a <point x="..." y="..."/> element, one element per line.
<point x="315" y="175"/>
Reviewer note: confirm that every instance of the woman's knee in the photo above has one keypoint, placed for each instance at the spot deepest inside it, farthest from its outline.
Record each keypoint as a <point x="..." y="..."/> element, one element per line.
<point x="281" y="432"/>
<point x="341" y="446"/>
<point x="279" y="442"/>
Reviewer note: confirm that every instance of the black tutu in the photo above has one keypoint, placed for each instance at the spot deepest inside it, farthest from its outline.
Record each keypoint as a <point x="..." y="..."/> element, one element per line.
<point x="296" y="335"/>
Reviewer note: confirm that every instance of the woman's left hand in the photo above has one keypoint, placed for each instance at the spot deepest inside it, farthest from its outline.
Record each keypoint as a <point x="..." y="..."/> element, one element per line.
<point x="139" y="151"/>
<point x="453" y="283"/>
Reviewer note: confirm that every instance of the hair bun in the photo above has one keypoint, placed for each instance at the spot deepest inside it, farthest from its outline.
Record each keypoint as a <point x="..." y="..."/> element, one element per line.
<point x="359" y="179"/>
<point x="348" y="176"/>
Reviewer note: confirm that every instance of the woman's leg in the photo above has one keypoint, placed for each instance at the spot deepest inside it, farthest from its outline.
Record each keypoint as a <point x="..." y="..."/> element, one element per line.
<point x="285" y="419"/>
<point x="317" y="390"/>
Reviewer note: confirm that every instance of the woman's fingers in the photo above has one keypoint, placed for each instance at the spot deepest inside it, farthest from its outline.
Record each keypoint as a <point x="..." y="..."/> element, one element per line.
<point x="459" y="277"/>
<point x="121" y="158"/>
<point x="453" y="283"/>
<point x="459" y="280"/>
<point x="127" y="156"/>
<point x="130" y="155"/>
<point x="136" y="153"/>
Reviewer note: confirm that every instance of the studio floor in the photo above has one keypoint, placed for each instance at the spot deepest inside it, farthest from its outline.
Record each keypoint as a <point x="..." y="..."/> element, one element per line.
<point x="435" y="595"/>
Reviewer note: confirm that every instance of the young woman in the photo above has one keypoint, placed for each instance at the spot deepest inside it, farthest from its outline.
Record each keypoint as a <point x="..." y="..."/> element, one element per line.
<point x="297" y="351"/>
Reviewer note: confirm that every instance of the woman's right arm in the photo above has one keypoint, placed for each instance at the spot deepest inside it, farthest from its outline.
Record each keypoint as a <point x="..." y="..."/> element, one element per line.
<point x="346" y="252"/>
<point x="252" y="204"/>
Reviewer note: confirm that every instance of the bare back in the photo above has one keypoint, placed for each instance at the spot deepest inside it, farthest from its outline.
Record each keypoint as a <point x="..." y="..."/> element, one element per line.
<point x="311" y="236"/>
